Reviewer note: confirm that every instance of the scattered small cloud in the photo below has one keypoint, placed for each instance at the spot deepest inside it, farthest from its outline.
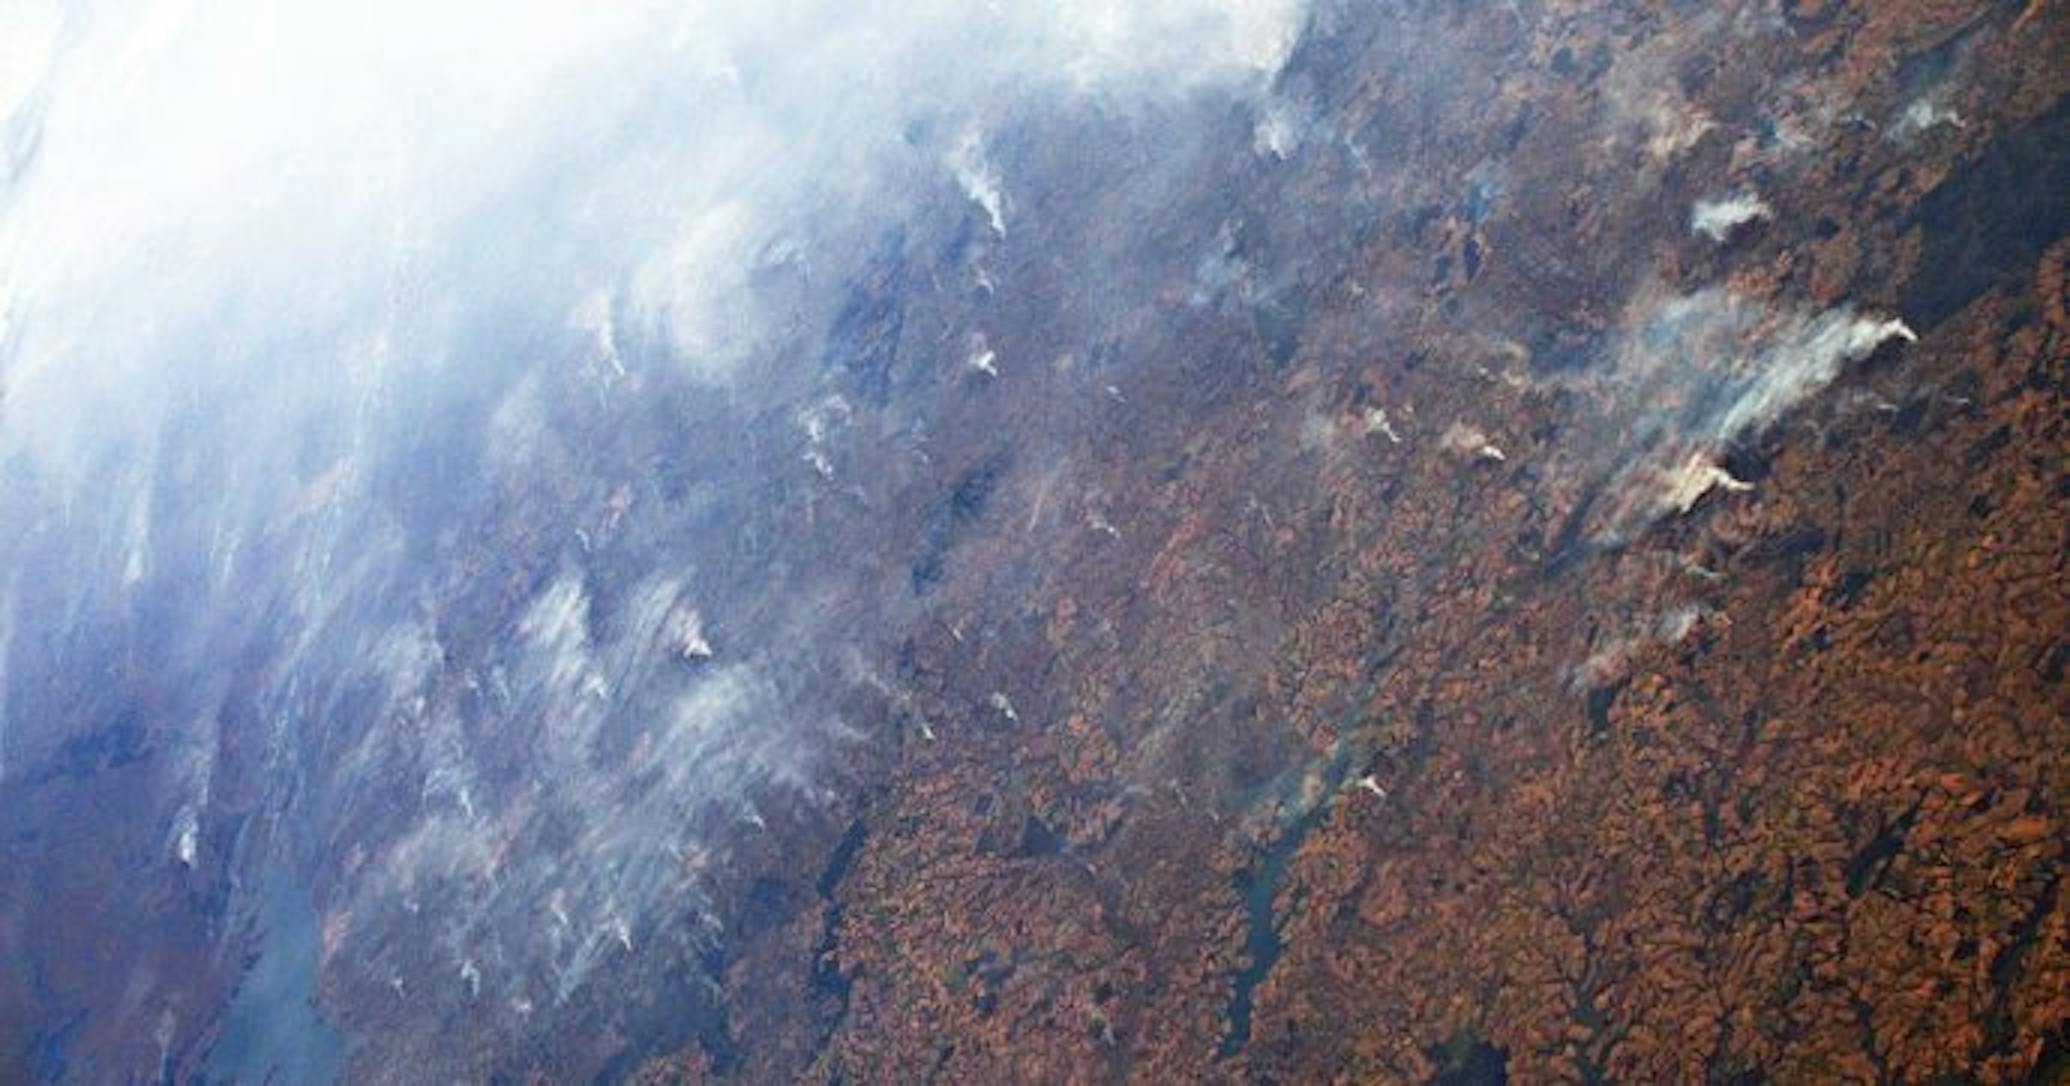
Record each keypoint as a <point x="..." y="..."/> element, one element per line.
<point x="982" y="359"/>
<point x="1377" y="422"/>
<point x="1672" y="125"/>
<point x="1717" y="219"/>
<point x="1464" y="440"/>
<point x="979" y="179"/>
<point x="1280" y="129"/>
<point x="1921" y="115"/>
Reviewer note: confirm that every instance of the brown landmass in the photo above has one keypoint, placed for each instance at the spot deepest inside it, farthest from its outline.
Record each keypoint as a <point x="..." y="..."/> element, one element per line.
<point x="1324" y="747"/>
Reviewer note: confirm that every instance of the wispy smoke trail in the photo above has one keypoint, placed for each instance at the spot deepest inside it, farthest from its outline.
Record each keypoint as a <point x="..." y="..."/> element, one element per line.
<point x="290" y="296"/>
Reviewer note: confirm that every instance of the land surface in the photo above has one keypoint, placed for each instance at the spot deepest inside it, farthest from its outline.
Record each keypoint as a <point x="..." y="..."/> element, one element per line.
<point x="1341" y="751"/>
<point x="1363" y="590"/>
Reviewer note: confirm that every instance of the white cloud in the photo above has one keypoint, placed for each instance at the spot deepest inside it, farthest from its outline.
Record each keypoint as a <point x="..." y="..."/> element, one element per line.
<point x="1717" y="219"/>
<point x="257" y="256"/>
<point x="1693" y="374"/>
<point x="263" y="169"/>
<point x="1281" y="127"/>
<point x="28" y="38"/>
<point x="1464" y="440"/>
<point x="980" y="180"/>
<point x="1924" y="113"/>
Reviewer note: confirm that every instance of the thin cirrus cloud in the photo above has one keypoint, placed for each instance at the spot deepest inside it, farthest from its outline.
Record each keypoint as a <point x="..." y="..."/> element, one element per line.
<point x="252" y="254"/>
<point x="297" y="224"/>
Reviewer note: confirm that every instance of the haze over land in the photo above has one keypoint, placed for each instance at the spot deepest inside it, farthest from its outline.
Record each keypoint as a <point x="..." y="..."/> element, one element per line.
<point x="1173" y="540"/>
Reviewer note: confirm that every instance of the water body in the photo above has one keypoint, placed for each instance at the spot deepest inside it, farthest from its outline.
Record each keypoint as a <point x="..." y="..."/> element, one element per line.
<point x="48" y="1054"/>
<point x="272" y="1031"/>
<point x="1260" y="886"/>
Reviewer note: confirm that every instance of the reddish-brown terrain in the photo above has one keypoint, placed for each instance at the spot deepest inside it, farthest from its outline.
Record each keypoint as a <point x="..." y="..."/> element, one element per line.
<point x="1326" y="745"/>
<point x="1526" y="543"/>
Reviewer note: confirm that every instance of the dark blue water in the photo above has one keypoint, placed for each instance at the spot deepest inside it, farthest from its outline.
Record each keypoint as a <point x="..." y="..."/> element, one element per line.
<point x="1260" y="887"/>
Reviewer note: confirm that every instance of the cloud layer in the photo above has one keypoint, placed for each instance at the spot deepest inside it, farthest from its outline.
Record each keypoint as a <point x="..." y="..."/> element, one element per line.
<point x="295" y="301"/>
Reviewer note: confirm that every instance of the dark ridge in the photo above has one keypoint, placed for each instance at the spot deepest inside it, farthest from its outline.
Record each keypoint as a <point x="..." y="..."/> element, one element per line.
<point x="1988" y="446"/>
<point x="1910" y="417"/>
<point x="935" y="537"/>
<point x="1790" y="547"/>
<point x="2006" y="963"/>
<point x="1555" y="350"/>
<point x="1600" y="699"/>
<point x="1921" y="71"/>
<point x="718" y="1046"/>
<point x="1868" y="864"/>
<point x="1038" y="840"/>
<point x="1852" y="585"/>
<point x="826" y="981"/>
<point x="2052" y="665"/>
<point x="1748" y="462"/>
<point x="1468" y="1060"/>
<point x="2005" y="968"/>
<point x="1731" y="902"/>
<point x="964" y="505"/>
<point x="2052" y="1066"/>
<point x="1986" y="225"/>
<point x="863" y="341"/>
<point x="682" y="1014"/>
<point x="120" y="743"/>
<point x="1728" y="1076"/>
<point x="1280" y="331"/>
<point x="1570" y="543"/>
<point x="842" y="859"/>
<point x="974" y="488"/>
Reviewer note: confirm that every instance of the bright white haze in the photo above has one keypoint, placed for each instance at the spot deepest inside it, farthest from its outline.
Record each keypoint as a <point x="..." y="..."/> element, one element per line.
<point x="257" y="256"/>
